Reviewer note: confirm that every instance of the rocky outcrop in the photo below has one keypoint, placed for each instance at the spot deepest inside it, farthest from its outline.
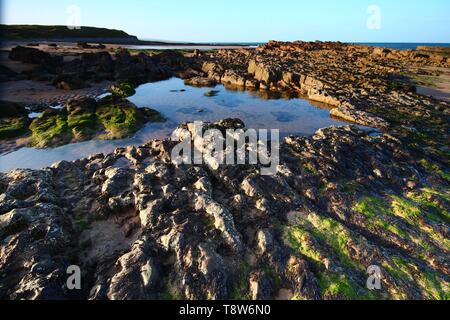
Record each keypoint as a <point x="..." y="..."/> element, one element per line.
<point x="99" y="66"/>
<point x="358" y="81"/>
<point x="6" y="74"/>
<point x="140" y="227"/>
<point x="200" y="82"/>
<point x="11" y="109"/>
<point x="356" y="116"/>
<point x="33" y="56"/>
<point x="111" y="117"/>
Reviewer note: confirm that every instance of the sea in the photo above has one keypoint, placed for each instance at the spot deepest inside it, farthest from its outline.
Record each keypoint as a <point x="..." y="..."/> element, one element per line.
<point x="402" y="46"/>
<point x="233" y="45"/>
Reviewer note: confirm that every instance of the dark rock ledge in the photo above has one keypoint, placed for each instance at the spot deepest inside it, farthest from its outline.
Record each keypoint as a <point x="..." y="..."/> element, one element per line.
<point x="141" y="228"/>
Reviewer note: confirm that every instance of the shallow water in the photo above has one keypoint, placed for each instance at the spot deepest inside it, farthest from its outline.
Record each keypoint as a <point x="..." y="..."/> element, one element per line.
<point x="180" y="103"/>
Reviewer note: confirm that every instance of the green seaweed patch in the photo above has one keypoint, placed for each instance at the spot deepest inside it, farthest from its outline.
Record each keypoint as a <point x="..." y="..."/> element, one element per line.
<point x="435" y="202"/>
<point x="123" y="89"/>
<point x="13" y="127"/>
<point x="334" y="286"/>
<point x="82" y="125"/>
<point x="376" y="209"/>
<point x="172" y="294"/>
<point x="406" y="209"/>
<point x="240" y="291"/>
<point x="430" y="283"/>
<point x="422" y="80"/>
<point x="302" y="242"/>
<point x="50" y="130"/>
<point x="314" y="231"/>
<point x="82" y="225"/>
<point x="211" y="93"/>
<point x="434" y="168"/>
<point x="416" y="210"/>
<point x="120" y="121"/>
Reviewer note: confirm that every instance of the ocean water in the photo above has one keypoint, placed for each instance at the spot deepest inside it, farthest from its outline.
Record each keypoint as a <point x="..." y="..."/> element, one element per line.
<point x="214" y="46"/>
<point x="180" y="103"/>
<point x="402" y="46"/>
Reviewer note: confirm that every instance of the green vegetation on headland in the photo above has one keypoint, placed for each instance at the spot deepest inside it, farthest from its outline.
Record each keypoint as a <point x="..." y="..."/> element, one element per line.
<point x="18" y="32"/>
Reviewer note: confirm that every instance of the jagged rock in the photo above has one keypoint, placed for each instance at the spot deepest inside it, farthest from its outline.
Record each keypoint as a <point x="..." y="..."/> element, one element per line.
<point x="6" y="74"/>
<point x="232" y="78"/>
<point x="136" y="278"/>
<point x="11" y="109"/>
<point x="33" y="56"/>
<point x="200" y="82"/>
<point x="360" y="117"/>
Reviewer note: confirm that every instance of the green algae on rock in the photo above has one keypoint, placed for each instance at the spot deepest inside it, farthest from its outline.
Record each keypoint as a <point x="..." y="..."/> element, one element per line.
<point x="123" y="89"/>
<point x="13" y="127"/>
<point x="50" y="130"/>
<point x="109" y="118"/>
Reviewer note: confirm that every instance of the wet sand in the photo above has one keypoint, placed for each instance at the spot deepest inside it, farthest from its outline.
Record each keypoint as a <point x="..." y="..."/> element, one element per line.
<point x="34" y="92"/>
<point x="441" y="90"/>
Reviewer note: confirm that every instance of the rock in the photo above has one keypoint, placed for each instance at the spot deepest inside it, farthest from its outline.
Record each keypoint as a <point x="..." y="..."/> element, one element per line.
<point x="77" y="106"/>
<point x="122" y="89"/>
<point x="359" y="117"/>
<point x="118" y="181"/>
<point x="69" y="82"/>
<point x="6" y="74"/>
<point x="11" y="109"/>
<point x="200" y="82"/>
<point x="136" y="279"/>
<point x="99" y="62"/>
<point x="263" y="73"/>
<point x="341" y="200"/>
<point x="29" y="55"/>
<point x="260" y="287"/>
<point x="264" y="240"/>
<point x="232" y="78"/>
<point x="223" y="220"/>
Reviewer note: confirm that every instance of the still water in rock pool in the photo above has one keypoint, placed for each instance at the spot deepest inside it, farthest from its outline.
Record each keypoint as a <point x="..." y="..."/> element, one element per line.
<point x="180" y="103"/>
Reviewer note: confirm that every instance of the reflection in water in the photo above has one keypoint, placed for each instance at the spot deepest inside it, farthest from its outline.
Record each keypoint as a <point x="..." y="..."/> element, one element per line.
<point x="180" y="103"/>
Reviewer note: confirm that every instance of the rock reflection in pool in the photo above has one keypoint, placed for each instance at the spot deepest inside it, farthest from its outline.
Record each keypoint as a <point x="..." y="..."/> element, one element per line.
<point x="180" y="103"/>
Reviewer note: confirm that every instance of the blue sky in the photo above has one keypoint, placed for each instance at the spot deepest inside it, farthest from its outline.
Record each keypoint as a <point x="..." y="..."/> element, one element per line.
<point x="248" y="20"/>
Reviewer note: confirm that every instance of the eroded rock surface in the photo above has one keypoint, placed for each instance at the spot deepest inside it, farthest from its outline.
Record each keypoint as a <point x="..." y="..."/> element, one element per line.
<point x="142" y="228"/>
<point x="342" y="200"/>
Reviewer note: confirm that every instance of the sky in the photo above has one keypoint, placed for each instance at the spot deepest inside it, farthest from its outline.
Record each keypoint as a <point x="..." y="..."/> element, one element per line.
<point x="247" y="20"/>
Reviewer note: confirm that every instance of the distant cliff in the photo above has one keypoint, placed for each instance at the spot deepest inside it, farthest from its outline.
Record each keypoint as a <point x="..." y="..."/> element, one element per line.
<point x="60" y="33"/>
